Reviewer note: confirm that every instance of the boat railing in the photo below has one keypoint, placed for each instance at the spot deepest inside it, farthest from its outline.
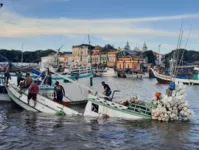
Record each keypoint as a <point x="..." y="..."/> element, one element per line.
<point x="82" y="70"/>
<point x="142" y="107"/>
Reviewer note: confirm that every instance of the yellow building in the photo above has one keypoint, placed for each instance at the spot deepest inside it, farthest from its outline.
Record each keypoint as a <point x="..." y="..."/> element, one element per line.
<point x="112" y="58"/>
<point x="81" y="52"/>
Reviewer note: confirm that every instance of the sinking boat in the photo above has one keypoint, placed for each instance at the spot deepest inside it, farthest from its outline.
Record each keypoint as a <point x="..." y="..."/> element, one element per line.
<point x="100" y="107"/>
<point x="44" y="104"/>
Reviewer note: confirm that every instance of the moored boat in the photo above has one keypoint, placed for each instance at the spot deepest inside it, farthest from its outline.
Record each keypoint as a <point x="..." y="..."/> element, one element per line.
<point x="164" y="79"/>
<point x="137" y="75"/>
<point x="107" y="72"/>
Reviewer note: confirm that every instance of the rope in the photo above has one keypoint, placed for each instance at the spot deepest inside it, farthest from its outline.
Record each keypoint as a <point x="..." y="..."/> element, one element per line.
<point x="185" y="47"/>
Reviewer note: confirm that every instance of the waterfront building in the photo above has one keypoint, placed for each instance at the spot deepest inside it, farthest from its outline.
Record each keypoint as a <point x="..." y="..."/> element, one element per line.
<point x="81" y="53"/>
<point x="96" y="55"/>
<point x="129" y="62"/>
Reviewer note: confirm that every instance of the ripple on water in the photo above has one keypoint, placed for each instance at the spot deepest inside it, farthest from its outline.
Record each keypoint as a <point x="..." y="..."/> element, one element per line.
<point x="20" y="129"/>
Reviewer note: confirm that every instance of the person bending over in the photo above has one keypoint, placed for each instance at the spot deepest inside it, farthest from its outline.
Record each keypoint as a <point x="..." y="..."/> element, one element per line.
<point x="107" y="89"/>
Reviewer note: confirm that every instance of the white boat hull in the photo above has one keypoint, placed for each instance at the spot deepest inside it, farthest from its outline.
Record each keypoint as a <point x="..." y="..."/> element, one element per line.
<point x="109" y="74"/>
<point x="43" y="104"/>
<point x="74" y="92"/>
<point x="146" y="75"/>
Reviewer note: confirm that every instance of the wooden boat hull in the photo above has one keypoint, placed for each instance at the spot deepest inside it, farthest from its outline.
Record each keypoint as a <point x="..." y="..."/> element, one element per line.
<point x="98" y="107"/>
<point x="163" y="79"/>
<point x="43" y="104"/>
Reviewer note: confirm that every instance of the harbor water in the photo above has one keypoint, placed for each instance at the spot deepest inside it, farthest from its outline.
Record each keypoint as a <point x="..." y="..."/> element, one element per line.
<point x="20" y="129"/>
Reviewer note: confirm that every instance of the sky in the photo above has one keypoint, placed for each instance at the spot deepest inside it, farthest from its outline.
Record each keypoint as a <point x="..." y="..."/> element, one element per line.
<point x="48" y="24"/>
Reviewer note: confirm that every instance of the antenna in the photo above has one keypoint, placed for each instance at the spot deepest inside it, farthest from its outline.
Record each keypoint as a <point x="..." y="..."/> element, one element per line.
<point x="22" y="53"/>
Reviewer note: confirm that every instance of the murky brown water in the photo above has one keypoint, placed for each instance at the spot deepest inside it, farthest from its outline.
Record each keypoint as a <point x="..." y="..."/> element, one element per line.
<point x="20" y="129"/>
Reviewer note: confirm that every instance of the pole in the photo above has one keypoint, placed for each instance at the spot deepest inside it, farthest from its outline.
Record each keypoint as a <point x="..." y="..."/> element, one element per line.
<point x="159" y="54"/>
<point x="91" y="78"/>
<point x="22" y="53"/>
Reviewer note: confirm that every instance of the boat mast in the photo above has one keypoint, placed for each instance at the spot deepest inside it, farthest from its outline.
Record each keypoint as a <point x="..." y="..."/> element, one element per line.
<point x="181" y="59"/>
<point x="175" y="52"/>
<point x="21" y="53"/>
<point x="90" y="52"/>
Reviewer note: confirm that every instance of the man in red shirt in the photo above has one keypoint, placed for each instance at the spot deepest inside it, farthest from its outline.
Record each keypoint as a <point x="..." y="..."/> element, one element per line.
<point x="33" y="90"/>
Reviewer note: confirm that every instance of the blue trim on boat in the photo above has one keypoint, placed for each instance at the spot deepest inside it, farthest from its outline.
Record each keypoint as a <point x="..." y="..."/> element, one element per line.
<point x="59" y="78"/>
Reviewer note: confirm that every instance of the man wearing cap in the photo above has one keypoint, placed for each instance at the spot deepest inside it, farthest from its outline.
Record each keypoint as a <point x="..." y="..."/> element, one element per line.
<point x="59" y="92"/>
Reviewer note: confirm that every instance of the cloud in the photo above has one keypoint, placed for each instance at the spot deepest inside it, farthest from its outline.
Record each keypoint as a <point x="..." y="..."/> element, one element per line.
<point x="15" y="25"/>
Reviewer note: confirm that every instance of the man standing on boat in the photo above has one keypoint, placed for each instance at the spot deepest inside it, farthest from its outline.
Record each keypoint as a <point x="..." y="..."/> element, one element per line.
<point x="28" y="80"/>
<point x="107" y="89"/>
<point x="33" y="90"/>
<point x="59" y="92"/>
<point x="19" y="78"/>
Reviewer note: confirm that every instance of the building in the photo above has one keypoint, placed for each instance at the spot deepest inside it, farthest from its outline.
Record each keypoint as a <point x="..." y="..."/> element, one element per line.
<point x="128" y="59"/>
<point x="68" y="59"/>
<point x="96" y="55"/>
<point x="112" y="58"/>
<point x="127" y="51"/>
<point x="82" y="52"/>
<point x="109" y="55"/>
<point x="50" y="59"/>
<point x="129" y="62"/>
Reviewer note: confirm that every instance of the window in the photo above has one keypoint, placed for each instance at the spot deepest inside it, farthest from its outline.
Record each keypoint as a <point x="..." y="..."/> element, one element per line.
<point x="94" y="108"/>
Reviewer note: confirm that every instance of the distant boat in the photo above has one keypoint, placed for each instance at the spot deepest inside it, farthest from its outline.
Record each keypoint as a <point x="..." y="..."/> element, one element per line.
<point x="107" y="72"/>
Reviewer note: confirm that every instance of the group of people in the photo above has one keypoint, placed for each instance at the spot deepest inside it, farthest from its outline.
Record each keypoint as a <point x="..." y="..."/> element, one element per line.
<point x="33" y="87"/>
<point x="169" y="91"/>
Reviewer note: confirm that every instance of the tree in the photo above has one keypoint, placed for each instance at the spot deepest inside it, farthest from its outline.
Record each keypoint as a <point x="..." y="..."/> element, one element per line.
<point x="151" y="57"/>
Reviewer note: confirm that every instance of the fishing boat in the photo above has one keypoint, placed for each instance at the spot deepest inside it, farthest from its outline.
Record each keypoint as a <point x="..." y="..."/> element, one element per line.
<point x="44" y="103"/>
<point x="81" y="76"/>
<point x="164" y="79"/>
<point x="100" y="107"/>
<point x="76" y="71"/>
